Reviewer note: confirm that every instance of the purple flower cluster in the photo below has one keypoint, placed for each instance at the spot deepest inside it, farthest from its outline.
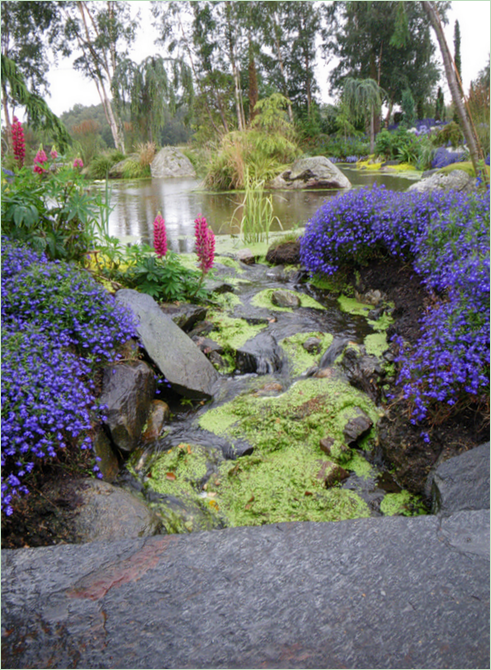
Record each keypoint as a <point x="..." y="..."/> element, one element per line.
<point x="442" y="158"/>
<point x="446" y="237"/>
<point x="57" y="325"/>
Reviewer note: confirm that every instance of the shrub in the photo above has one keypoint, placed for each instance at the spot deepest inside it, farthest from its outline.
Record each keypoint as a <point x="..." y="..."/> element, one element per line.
<point x="442" y="158"/>
<point x="450" y="134"/>
<point x="58" y="327"/>
<point x="446" y="237"/>
<point x="101" y="164"/>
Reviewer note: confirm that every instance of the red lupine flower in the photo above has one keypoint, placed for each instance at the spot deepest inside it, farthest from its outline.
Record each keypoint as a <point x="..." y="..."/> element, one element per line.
<point x="18" y="141"/>
<point x="39" y="159"/>
<point x="78" y="163"/>
<point x="159" y="236"/>
<point x="205" y="244"/>
<point x="53" y="153"/>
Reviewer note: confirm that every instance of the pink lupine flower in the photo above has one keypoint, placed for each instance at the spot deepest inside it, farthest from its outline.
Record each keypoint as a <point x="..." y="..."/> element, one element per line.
<point x="39" y="159"/>
<point x="205" y="244"/>
<point x="53" y="153"/>
<point x="18" y="141"/>
<point x="78" y="163"/>
<point x="159" y="236"/>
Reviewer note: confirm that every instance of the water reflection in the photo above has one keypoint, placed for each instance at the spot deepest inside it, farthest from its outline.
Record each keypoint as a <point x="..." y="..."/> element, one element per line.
<point x="136" y="204"/>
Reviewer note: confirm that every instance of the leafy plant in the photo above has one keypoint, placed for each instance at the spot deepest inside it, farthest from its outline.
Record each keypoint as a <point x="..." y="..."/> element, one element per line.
<point x="101" y="164"/>
<point x="257" y="214"/>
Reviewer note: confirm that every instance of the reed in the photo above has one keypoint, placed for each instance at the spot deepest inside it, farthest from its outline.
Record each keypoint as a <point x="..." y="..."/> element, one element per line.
<point x="257" y="212"/>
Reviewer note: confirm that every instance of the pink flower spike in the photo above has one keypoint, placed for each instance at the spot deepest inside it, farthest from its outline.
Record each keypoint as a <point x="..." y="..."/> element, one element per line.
<point x="159" y="236"/>
<point x="18" y="141"/>
<point x="53" y="154"/>
<point x="39" y="159"/>
<point x="78" y="163"/>
<point x="205" y="244"/>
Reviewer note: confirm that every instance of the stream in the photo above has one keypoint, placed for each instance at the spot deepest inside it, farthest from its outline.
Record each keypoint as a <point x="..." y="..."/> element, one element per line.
<point x="290" y="434"/>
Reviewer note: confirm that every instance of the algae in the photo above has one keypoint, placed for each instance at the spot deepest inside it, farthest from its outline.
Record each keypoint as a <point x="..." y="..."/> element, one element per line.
<point x="232" y="333"/>
<point x="300" y="359"/>
<point x="263" y="299"/>
<point x="403" y="503"/>
<point x="376" y="344"/>
<point x="352" y="306"/>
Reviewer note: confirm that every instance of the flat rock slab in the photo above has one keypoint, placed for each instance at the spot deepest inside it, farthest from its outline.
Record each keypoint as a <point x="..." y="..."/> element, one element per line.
<point x="462" y="482"/>
<point x="389" y="592"/>
<point x="174" y="353"/>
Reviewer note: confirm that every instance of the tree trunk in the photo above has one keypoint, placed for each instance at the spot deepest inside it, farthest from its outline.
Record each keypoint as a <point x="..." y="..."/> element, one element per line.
<point x="253" y="90"/>
<point x="455" y="89"/>
<point x="282" y="70"/>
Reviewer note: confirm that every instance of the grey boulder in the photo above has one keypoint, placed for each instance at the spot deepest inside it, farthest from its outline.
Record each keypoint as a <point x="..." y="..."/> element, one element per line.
<point x="184" y="366"/>
<point x="310" y="173"/>
<point x="462" y="482"/>
<point x="171" y="162"/>
<point x="457" y="180"/>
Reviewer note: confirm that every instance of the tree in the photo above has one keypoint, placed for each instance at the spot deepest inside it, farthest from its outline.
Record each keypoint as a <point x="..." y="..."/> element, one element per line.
<point x="453" y="80"/>
<point x="389" y="42"/>
<point x="148" y="90"/>
<point x="363" y="98"/>
<point x="29" y="29"/>
<point x="39" y="114"/>
<point x="440" y="106"/>
<point x="101" y="32"/>
<point x="408" y="108"/>
<point x="456" y="45"/>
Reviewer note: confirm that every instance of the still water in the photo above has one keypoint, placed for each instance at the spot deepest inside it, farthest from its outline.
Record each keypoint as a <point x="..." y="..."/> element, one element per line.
<point x="136" y="204"/>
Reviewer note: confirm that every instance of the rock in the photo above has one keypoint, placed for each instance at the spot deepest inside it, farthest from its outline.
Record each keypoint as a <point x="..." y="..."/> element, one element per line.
<point x="127" y="391"/>
<point x="330" y="473"/>
<point x="285" y="299"/>
<point x="462" y="482"/>
<point x="217" y="286"/>
<point x="312" y="345"/>
<point x="206" y="345"/>
<point x="371" y="297"/>
<point x="362" y="371"/>
<point x="457" y="180"/>
<point x="171" y="162"/>
<point x="357" y="427"/>
<point x="184" y="315"/>
<point x="174" y="353"/>
<point x="327" y="443"/>
<point x="362" y="593"/>
<point x="260" y="354"/>
<point x="109" y="464"/>
<point x="158" y="414"/>
<point x="309" y="173"/>
<point x="286" y="253"/>
<point x="180" y="515"/>
<point x="102" y="512"/>
<point x="245" y="256"/>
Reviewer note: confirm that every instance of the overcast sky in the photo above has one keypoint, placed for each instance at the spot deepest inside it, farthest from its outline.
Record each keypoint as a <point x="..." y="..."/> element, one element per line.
<point x="69" y="87"/>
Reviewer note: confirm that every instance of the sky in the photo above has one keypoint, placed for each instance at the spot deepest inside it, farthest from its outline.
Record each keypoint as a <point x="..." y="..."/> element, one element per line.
<point x="69" y="87"/>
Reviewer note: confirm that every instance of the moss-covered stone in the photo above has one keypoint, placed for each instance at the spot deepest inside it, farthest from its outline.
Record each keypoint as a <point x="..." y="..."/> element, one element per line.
<point x="376" y="344"/>
<point x="232" y="333"/>
<point x="403" y="503"/>
<point x="263" y="299"/>
<point x="300" y="359"/>
<point x="352" y="306"/>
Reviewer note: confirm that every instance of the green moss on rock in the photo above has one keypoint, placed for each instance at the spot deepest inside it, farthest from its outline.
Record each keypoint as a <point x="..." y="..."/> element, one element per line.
<point x="301" y="360"/>
<point x="263" y="299"/>
<point x="352" y="306"/>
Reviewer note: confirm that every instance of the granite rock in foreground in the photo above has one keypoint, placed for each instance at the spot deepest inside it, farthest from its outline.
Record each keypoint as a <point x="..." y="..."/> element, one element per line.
<point x="389" y="592"/>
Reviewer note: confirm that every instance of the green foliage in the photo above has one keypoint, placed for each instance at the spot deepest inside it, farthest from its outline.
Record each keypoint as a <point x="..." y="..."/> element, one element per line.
<point x="103" y="162"/>
<point x="257" y="214"/>
<point x="408" y="108"/>
<point x="449" y="133"/>
<point x="400" y="145"/>
<point x="165" y="279"/>
<point x="53" y="211"/>
<point x="133" y="169"/>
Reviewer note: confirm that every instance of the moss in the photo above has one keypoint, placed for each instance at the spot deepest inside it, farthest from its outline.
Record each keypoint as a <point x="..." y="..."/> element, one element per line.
<point x="229" y="263"/>
<point x="182" y="469"/>
<point x="300" y="359"/>
<point x="465" y="166"/>
<point x="232" y="333"/>
<point x="403" y="503"/>
<point x="360" y="466"/>
<point x="376" y="344"/>
<point x="281" y="487"/>
<point x="352" y="306"/>
<point x="263" y="299"/>
<point x="226" y="301"/>
<point x="382" y="323"/>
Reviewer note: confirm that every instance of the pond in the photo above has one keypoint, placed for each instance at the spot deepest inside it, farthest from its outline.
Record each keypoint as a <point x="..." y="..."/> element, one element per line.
<point x="136" y="204"/>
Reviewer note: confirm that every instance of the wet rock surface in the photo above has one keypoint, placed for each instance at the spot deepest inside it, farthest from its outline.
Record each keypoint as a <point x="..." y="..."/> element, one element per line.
<point x="368" y="593"/>
<point x="314" y="172"/>
<point x="171" y="350"/>
<point x="171" y="162"/>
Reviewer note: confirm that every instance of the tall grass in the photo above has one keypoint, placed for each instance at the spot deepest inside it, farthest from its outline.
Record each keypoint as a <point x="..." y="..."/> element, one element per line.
<point x="257" y="213"/>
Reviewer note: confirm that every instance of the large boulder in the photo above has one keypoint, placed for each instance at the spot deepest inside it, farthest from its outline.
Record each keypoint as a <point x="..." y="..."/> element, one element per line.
<point x="96" y="511"/>
<point x="457" y="180"/>
<point x="177" y="357"/>
<point x="171" y="162"/>
<point x="310" y="173"/>
<point x="461" y="482"/>
<point x="127" y="391"/>
<point x="390" y="592"/>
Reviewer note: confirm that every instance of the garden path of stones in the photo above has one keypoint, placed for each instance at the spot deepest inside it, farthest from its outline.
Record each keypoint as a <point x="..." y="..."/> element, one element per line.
<point x="381" y="592"/>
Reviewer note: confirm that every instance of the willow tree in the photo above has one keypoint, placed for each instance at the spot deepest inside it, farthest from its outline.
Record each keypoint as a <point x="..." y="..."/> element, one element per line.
<point x="363" y="99"/>
<point x="38" y="112"/>
<point x="149" y="90"/>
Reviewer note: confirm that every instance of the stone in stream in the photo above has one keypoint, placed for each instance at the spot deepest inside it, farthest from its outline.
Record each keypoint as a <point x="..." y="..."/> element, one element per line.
<point x="285" y="299"/>
<point x="184" y="315"/>
<point x="158" y="414"/>
<point x="127" y="391"/>
<point x="314" y="172"/>
<point x="285" y="253"/>
<point x="176" y="356"/>
<point x="357" y="427"/>
<point x="312" y="345"/>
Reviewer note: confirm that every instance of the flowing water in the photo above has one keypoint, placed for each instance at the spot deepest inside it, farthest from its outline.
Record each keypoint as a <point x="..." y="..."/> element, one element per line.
<point x="136" y="204"/>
